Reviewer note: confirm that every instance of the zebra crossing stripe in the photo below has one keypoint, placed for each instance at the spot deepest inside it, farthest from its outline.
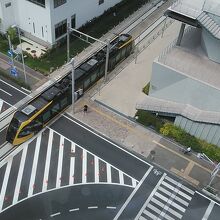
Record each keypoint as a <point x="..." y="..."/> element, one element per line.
<point x="109" y="175"/>
<point x="149" y="214"/>
<point x="84" y="166"/>
<point x="188" y="190"/>
<point x="34" y="167"/>
<point x="60" y="162"/>
<point x="20" y="174"/>
<point x="47" y="165"/>
<point x="208" y="210"/>
<point x="121" y="178"/>
<point x="5" y="183"/>
<point x="173" y="196"/>
<point x="1" y="104"/>
<point x="72" y="164"/>
<point x="134" y="183"/>
<point x="96" y="165"/>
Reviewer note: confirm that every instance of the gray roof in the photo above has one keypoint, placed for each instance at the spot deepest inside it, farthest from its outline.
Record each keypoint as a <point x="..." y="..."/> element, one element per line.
<point x="198" y="65"/>
<point x="163" y="106"/>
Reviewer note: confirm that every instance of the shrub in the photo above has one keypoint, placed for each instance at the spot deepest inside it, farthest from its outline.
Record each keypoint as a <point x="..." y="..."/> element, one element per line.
<point x="185" y="139"/>
<point x="146" y="89"/>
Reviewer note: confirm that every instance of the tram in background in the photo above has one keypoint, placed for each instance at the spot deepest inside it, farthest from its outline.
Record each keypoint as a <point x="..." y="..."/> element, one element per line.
<point x="36" y="114"/>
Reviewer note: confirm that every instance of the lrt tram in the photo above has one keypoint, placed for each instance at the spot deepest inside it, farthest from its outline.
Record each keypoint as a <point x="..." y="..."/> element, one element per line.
<point x="36" y="114"/>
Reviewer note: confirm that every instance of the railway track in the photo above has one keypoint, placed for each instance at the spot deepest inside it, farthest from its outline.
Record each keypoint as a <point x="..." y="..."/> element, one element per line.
<point x="139" y="29"/>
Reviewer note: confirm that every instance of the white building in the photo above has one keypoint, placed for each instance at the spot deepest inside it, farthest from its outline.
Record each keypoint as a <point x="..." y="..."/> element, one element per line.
<point x="45" y="21"/>
<point x="185" y="82"/>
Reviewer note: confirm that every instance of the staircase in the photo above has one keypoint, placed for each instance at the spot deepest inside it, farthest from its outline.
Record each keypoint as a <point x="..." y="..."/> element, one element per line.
<point x="210" y="25"/>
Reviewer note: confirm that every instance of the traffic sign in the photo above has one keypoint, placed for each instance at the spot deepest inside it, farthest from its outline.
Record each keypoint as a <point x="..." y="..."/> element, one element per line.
<point x="14" y="72"/>
<point x="10" y="53"/>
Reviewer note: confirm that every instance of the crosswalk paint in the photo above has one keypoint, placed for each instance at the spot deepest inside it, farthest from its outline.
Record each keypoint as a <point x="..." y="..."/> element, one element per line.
<point x="109" y="175"/>
<point x="149" y="214"/>
<point x="20" y="174"/>
<point x="96" y="165"/>
<point x="121" y="177"/>
<point x="84" y="166"/>
<point x="208" y="210"/>
<point x="5" y="183"/>
<point x="34" y="167"/>
<point x="1" y="104"/>
<point x="72" y="164"/>
<point x="47" y="164"/>
<point x="60" y="163"/>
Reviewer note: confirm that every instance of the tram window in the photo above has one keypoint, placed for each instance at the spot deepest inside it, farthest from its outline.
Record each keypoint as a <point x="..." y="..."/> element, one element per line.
<point x="55" y="108"/>
<point x="86" y="83"/>
<point x="63" y="103"/>
<point x="123" y="52"/>
<point x="93" y="77"/>
<point x="102" y="70"/>
<point x="118" y="57"/>
<point x="46" y="116"/>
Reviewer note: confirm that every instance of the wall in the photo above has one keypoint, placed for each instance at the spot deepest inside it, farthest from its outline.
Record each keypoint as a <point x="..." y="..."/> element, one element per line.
<point x="208" y="132"/>
<point x="168" y="84"/>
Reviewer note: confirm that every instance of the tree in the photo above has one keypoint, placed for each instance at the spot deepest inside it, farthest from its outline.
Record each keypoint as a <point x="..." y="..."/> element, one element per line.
<point x="12" y="33"/>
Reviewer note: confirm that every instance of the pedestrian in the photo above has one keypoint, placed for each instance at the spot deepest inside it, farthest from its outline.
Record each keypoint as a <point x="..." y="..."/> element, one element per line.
<point x="85" y="109"/>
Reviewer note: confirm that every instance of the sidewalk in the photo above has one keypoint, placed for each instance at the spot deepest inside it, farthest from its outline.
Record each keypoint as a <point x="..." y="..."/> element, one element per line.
<point x="112" y="107"/>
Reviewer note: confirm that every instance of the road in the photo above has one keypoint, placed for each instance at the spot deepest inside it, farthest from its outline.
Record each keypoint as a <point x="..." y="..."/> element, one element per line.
<point x="71" y="171"/>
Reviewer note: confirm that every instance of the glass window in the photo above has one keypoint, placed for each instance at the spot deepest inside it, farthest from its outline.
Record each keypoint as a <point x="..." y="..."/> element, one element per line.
<point x="93" y="77"/>
<point x="55" y="109"/>
<point x="38" y="2"/>
<point x="46" y="116"/>
<point x="57" y="3"/>
<point x="60" y="28"/>
<point x="8" y="4"/>
<point x="73" y="21"/>
<point x="63" y="103"/>
<point x="86" y="83"/>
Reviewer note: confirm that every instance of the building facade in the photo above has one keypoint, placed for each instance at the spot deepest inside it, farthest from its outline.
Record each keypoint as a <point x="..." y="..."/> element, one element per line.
<point x="45" y="21"/>
<point x="185" y="81"/>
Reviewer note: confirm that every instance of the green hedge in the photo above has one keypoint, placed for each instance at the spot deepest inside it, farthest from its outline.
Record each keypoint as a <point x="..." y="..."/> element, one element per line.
<point x="146" y="89"/>
<point x="148" y="119"/>
<point x="182" y="137"/>
<point x="17" y="81"/>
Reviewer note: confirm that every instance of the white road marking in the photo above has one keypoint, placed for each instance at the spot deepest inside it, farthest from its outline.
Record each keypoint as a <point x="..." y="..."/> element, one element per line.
<point x="134" y="183"/>
<point x="121" y="177"/>
<point x="106" y="140"/>
<point x="92" y="154"/>
<point x="72" y="165"/>
<point x="92" y="207"/>
<point x="96" y="166"/>
<point x="84" y="166"/>
<point x="109" y="174"/>
<point x="1" y="104"/>
<point x="73" y="210"/>
<point x="132" y="194"/>
<point x="55" y="214"/>
<point x="34" y="166"/>
<point x="5" y="183"/>
<point x="47" y="164"/>
<point x="6" y="92"/>
<point x="110" y="207"/>
<point x="208" y="210"/>
<point x="147" y="213"/>
<point x="15" y="88"/>
<point x="151" y="195"/>
<point x="60" y="162"/>
<point x="208" y="198"/>
<point x="20" y="174"/>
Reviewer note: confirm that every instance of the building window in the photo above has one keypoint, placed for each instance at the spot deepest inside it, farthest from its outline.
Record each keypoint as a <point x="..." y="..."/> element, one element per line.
<point x="61" y="28"/>
<point x="38" y="2"/>
<point x="8" y="4"/>
<point x="34" y="27"/>
<point x="42" y="29"/>
<point x="101" y="2"/>
<point x="57" y="3"/>
<point x="73" y="21"/>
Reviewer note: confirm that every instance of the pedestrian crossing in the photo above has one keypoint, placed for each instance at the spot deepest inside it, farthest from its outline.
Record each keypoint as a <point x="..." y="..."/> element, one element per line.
<point x="168" y="201"/>
<point x="4" y="106"/>
<point x="51" y="161"/>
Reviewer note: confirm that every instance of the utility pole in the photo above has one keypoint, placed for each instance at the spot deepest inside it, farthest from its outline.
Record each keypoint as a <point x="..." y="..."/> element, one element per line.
<point x="73" y="85"/>
<point x="22" y="56"/>
<point x="68" y="42"/>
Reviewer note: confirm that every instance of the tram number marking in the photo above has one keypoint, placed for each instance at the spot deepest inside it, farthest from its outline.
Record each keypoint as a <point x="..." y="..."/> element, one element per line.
<point x="157" y="172"/>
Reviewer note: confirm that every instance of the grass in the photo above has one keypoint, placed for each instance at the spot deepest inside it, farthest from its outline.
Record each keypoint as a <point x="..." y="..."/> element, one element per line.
<point x="96" y="28"/>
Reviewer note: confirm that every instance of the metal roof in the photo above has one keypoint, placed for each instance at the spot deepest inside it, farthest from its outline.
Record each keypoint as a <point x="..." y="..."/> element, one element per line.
<point x="163" y="106"/>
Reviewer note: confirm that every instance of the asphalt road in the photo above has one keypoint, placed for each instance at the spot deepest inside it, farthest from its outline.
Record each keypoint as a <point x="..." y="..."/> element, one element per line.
<point x="70" y="172"/>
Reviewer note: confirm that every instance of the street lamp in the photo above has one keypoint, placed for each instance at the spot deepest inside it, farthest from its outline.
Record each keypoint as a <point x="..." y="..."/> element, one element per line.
<point x="22" y="56"/>
<point x="214" y="171"/>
